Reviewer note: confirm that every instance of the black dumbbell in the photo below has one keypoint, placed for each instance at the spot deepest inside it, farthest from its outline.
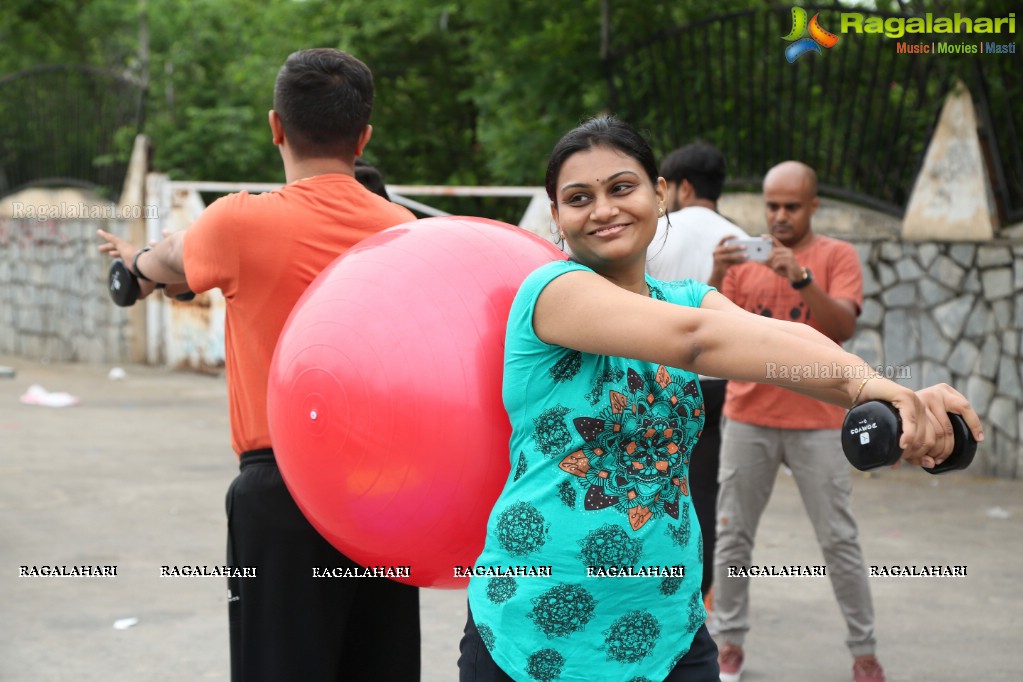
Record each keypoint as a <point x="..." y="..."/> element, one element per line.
<point x="871" y="433"/>
<point x="122" y="284"/>
<point x="125" y="289"/>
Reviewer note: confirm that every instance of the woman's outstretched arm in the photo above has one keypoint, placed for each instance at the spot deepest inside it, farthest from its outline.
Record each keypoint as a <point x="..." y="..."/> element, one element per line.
<point x="584" y="311"/>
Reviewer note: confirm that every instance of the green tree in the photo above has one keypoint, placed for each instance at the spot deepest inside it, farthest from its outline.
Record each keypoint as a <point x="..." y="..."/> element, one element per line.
<point x="468" y="91"/>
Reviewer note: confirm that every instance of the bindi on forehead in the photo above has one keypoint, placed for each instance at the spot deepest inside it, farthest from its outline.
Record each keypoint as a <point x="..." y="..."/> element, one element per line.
<point x="615" y="176"/>
<point x="599" y="182"/>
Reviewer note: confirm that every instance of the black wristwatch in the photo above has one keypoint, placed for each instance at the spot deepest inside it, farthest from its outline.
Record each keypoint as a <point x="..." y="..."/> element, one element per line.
<point x="805" y="281"/>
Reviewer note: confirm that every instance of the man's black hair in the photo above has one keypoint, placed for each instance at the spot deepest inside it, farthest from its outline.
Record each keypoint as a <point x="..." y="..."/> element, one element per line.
<point x="701" y="164"/>
<point x="324" y="98"/>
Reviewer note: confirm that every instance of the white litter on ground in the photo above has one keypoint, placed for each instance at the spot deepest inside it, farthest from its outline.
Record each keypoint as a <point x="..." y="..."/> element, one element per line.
<point x="37" y="395"/>
<point x="125" y="623"/>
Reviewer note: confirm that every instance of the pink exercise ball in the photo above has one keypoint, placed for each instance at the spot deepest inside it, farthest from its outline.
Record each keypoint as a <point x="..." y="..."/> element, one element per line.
<point x="384" y="396"/>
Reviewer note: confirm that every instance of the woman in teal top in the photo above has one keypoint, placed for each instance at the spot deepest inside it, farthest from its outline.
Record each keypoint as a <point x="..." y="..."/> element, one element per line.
<point x="591" y="567"/>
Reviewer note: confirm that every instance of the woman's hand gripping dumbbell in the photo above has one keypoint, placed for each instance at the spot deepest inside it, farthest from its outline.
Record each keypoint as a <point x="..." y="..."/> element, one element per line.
<point x="872" y="434"/>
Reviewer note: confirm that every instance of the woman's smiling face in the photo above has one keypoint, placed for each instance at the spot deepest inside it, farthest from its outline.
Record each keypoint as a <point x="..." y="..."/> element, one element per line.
<point x="607" y="207"/>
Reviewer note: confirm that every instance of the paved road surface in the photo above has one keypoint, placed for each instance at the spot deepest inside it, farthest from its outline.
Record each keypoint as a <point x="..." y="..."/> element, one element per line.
<point x="135" y="476"/>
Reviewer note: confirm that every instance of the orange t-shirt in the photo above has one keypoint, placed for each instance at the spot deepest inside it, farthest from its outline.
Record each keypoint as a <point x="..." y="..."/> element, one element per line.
<point x="756" y="288"/>
<point x="262" y="251"/>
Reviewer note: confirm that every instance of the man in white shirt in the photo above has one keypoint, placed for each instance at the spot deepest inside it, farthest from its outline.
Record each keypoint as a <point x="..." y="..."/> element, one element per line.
<point x="686" y="247"/>
<point x="686" y="238"/>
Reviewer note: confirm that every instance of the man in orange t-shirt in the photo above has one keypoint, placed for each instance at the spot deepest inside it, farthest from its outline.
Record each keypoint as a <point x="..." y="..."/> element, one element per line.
<point x="815" y="280"/>
<point x="263" y="251"/>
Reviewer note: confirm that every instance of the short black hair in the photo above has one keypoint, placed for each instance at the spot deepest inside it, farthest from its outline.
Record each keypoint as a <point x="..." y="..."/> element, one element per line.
<point x="701" y="164"/>
<point x="600" y="131"/>
<point x="324" y="98"/>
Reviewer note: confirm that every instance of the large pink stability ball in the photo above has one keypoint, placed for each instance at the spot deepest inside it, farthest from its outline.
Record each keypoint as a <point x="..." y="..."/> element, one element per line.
<point x="385" y="393"/>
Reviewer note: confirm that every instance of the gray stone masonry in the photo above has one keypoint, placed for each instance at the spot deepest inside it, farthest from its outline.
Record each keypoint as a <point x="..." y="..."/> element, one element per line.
<point x="53" y="292"/>
<point x="951" y="312"/>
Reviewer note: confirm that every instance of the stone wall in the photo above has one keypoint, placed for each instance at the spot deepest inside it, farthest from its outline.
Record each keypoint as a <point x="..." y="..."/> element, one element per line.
<point x="951" y="312"/>
<point x="53" y="300"/>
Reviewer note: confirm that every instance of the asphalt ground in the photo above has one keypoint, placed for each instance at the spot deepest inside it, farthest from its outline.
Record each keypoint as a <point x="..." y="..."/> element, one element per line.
<point x="134" y="476"/>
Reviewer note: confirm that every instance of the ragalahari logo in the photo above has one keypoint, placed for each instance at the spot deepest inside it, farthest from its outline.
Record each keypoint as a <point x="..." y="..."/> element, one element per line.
<point x="807" y="36"/>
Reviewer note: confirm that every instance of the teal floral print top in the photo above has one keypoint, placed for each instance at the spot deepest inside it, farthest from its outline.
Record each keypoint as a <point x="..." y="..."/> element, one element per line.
<point x="592" y="563"/>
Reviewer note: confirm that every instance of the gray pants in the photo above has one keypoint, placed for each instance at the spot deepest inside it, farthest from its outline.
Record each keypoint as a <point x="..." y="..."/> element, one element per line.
<point x="750" y="457"/>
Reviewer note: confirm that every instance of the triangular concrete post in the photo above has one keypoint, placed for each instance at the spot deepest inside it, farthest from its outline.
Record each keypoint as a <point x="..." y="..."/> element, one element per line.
<point x="134" y="189"/>
<point x="952" y="198"/>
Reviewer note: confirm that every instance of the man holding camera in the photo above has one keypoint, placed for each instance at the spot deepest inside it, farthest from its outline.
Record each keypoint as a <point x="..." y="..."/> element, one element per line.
<point x="814" y="280"/>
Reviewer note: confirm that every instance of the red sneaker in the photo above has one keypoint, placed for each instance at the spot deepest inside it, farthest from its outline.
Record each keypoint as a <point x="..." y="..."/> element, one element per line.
<point x="867" y="669"/>
<point x="730" y="661"/>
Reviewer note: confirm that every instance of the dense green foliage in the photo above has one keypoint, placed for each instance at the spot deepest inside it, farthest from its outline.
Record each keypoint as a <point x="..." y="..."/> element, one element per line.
<point x="470" y="92"/>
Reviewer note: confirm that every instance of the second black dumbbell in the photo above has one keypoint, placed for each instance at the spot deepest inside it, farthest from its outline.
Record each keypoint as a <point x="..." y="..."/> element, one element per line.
<point x="124" y="286"/>
<point x="871" y="433"/>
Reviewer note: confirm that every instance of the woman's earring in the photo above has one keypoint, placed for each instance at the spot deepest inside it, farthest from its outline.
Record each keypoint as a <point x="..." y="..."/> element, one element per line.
<point x="556" y="232"/>
<point x="660" y="211"/>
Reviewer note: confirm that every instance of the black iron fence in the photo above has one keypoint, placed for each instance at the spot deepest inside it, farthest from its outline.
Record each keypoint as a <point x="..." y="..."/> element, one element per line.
<point x="67" y="125"/>
<point x="861" y="112"/>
